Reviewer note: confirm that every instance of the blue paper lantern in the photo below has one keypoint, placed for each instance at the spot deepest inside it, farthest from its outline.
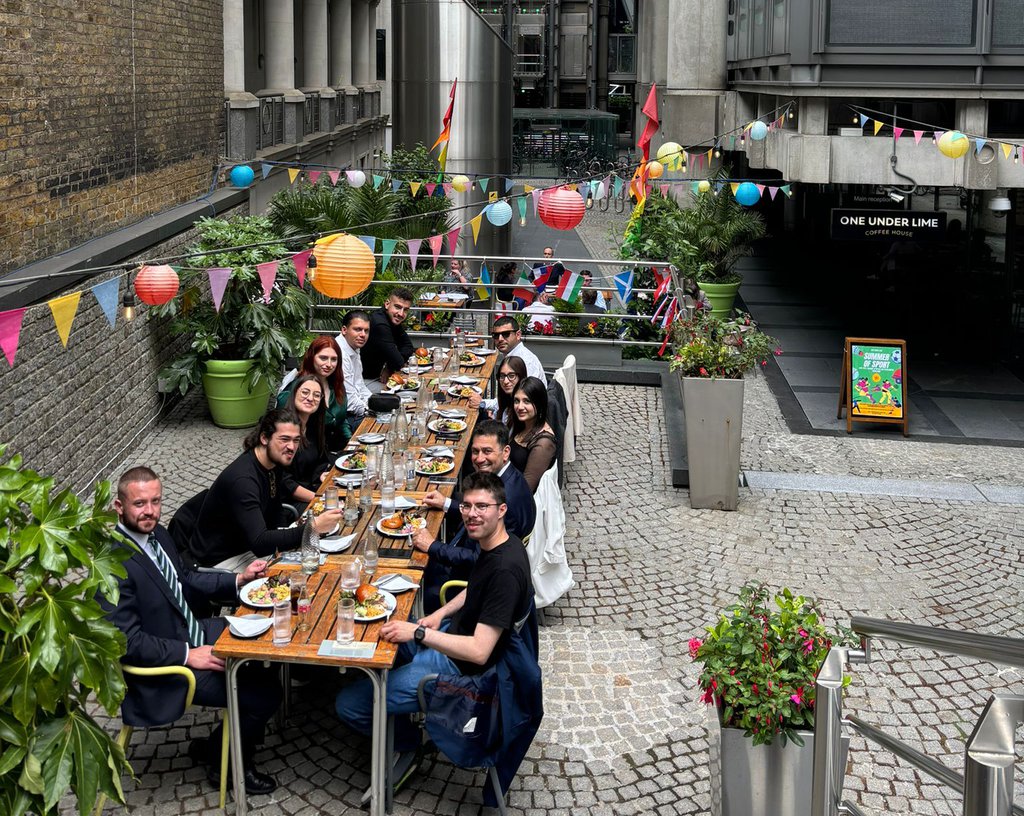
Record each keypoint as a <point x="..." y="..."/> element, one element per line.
<point x="747" y="194"/>
<point x="499" y="213"/>
<point x="242" y="175"/>
<point x="758" y="131"/>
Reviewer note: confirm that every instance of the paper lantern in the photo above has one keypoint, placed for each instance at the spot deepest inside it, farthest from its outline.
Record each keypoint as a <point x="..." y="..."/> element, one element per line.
<point x="758" y="130"/>
<point x="671" y="155"/>
<point x="499" y="213"/>
<point x="954" y="144"/>
<point x="703" y="185"/>
<point x="344" y="266"/>
<point x="156" y="285"/>
<point x="747" y="194"/>
<point x="561" y="208"/>
<point x="461" y="183"/>
<point x="356" y="178"/>
<point x="655" y="169"/>
<point x="242" y="175"/>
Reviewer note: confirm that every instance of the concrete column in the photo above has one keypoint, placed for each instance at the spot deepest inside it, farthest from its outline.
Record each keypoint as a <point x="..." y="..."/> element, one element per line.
<point x="280" y="56"/>
<point x="241" y="125"/>
<point x="341" y="42"/>
<point x="234" y="46"/>
<point x="314" y="35"/>
<point x="360" y="43"/>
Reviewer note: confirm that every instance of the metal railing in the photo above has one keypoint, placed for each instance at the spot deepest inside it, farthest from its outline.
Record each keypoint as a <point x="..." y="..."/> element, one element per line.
<point x="271" y="129"/>
<point x="987" y="785"/>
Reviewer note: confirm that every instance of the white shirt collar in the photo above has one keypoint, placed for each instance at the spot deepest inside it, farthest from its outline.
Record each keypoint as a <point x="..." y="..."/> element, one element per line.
<point x="142" y="539"/>
<point x="504" y="467"/>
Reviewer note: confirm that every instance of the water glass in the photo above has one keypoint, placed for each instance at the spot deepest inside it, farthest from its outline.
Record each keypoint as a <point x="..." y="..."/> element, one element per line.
<point x="371" y="555"/>
<point x="410" y="470"/>
<point x="282" y="623"/>
<point x="372" y="462"/>
<point x="400" y="469"/>
<point x="331" y="498"/>
<point x="346" y="620"/>
<point x="387" y="499"/>
<point x="351" y="574"/>
<point x="365" y="495"/>
<point x="352" y="499"/>
<point x="437" y="358"/>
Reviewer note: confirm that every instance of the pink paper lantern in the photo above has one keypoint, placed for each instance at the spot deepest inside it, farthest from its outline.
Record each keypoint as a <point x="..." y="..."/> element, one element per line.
<point x="156" y="285"/>
<point x="561" y="208"/>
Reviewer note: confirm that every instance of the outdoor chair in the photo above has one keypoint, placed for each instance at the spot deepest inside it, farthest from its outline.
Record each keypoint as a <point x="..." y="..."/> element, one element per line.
<point x="566" y="377"/>
<point x="549" y="565"/>
<point x="125" y="734"/>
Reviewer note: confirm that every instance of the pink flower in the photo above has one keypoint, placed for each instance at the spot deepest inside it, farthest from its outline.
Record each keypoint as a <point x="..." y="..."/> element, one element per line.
<point x="703" y="371"/>
<point x="708" y="697"/>
<point x="798" y="698"/>
<point x="694" y="645"/>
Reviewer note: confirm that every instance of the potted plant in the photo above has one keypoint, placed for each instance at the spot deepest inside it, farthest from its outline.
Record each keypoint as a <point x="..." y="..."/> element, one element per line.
<point x="712" y="356"/>
<point x="237" y="352"/>
<point x="759" y="662"/>
<point x="57" y="647"/>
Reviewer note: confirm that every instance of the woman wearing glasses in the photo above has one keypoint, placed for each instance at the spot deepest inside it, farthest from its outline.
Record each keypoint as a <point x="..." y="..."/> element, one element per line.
<point x="311" y="460"/>
<point x="511" y="372"/>
<point x="533" y="441"/>
<point x="321" y="361"/>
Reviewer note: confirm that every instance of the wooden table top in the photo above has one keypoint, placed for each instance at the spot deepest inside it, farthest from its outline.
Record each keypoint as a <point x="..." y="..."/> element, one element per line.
<point x="438" y="303"/>
<point x="423" y="484"/>
<point x="324" y="589"/>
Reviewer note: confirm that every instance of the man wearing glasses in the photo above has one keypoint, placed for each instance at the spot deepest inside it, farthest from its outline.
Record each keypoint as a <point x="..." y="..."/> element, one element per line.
<point x="508" y="339"/>
<point x="465" y="636"/>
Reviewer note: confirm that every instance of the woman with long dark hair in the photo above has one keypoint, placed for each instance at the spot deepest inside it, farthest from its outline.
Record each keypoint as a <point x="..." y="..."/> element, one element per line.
<point x="322" y="360"/>
<point x="533" y="441"/>
<point x="511" y="372"/>
<point x="312" y="459"/>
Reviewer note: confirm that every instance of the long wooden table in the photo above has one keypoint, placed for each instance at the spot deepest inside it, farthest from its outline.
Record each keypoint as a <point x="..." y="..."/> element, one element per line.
<point x="324" y="587"/>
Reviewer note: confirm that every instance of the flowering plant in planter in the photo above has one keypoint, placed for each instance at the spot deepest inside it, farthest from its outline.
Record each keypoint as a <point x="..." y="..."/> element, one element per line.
<point x="704" y="346"/>
<point x="760" y="662"/>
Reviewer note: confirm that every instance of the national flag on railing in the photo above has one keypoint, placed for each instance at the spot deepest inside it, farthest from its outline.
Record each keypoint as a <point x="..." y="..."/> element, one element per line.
<point x="624" y="286"/>
<point x="569" y="286"/>
<point x="446" y="131"/>
<point x="524" y="289"/>
<point x="482" y="292"/>
<point x="541" y="280"/>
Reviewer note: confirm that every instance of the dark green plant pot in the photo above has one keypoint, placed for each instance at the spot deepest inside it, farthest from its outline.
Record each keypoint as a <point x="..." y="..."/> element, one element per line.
<point x="721" y="296"/>
<point x="232" y="405"/>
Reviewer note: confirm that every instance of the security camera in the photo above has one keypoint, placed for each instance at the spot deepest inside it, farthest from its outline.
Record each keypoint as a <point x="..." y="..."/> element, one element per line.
<point x="897" y="197"/>
<point x="1000" y="206"/>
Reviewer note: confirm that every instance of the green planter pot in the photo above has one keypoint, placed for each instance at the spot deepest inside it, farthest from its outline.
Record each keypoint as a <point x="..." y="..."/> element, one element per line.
<point x="232" y="405"/>
<point x="721" y="296"/>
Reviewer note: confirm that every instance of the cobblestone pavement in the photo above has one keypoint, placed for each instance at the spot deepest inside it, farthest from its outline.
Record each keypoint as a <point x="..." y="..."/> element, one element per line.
<point x="623" y="731"/>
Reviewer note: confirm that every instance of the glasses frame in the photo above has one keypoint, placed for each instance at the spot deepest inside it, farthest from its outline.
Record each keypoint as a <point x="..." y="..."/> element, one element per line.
<point x="502" y="335"/>
<point x="508" y="375"/>
<point x="480" y="507"/>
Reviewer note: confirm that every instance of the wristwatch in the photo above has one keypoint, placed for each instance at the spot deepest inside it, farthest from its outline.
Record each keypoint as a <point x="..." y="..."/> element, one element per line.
<point x="421" y="632"/>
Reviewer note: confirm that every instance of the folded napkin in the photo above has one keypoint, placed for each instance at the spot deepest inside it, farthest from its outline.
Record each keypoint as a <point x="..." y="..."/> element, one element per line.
<point x="248" y="626"/>
<point x="356" y="649"/>
<point x="402" y="503"/>
<point x="395" y="583"/>
<point x="336" y="545"/>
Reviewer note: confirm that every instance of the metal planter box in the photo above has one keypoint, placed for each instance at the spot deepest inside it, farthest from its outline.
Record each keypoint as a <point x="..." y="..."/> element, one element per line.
<point x="713" y="411"/>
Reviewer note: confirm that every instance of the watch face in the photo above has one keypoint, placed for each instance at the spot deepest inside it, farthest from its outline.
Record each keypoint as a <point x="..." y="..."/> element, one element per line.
<point x="421" y="633"/>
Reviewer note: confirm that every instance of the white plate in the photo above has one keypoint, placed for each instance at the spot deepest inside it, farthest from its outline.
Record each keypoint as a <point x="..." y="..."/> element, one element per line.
<point x="408" y="529"/>
<point x="464" y="379"/>
<point x="479" y="361"/>
<point x="439" y="450"/>
<point x="456" y="391"/>
<point x="371" y="438"/>
<point x="249" y="587"/>
<point x="483" y="352"/>
<point x="349" y="481"/>
<point x="250" y="626"/>
<point x="433" y="425"/>
<point x="342" y="464"/>
<point x="450" y="466"/>
<point x="389" y="602"/>
<point x="396" y="584"/>
<point x="428" y="295"/>
<point x="456" y="296"/>
<point x="450" y="413"/>
<point x="330" y="544"/>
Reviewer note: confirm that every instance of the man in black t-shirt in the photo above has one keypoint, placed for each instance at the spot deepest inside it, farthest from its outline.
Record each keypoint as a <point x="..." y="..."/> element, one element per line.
<point x="388" y="346"/>
<point x="466" y="635"/>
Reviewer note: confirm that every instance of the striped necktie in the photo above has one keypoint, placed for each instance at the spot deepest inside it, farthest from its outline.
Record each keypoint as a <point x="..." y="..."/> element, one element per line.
<point x="195" y="631"/>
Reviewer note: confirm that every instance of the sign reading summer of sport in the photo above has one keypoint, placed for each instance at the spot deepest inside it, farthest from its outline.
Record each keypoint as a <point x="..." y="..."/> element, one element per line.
<point x="874" y="382"/>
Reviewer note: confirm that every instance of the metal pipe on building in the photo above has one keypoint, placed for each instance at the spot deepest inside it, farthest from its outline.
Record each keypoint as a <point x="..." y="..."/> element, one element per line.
<point x="601" y="58"/>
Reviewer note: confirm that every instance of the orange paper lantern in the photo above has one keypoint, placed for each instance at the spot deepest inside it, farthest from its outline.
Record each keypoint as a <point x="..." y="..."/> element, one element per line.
<point x="561" y="208"/>
<point x="156" y="285"/>
<point x="344" y="266"/>
<point x="655" y="169"/>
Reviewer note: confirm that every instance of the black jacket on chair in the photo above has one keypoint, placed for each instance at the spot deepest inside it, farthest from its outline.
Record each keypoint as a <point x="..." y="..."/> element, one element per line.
<point x="155" y="628"/>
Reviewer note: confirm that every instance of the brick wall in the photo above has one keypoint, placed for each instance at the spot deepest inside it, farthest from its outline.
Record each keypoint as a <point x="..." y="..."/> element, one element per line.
<point x="111" y="111"/>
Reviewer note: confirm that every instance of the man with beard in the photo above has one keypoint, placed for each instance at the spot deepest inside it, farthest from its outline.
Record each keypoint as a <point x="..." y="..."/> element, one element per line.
<point x="388" y="346"/>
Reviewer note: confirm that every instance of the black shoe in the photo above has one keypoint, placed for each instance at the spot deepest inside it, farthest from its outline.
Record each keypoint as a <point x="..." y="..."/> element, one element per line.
<point x="256" y="783"/>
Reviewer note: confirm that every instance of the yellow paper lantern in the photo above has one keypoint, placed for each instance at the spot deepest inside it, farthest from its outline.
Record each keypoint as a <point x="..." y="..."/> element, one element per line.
<point x="954" y="144"/>
<point x="461" y="183"/>
<point x="655" y="169"/>
<point x="703" y="185"/>
<point x="671" y="155"/>
<point x="344" y="266"/>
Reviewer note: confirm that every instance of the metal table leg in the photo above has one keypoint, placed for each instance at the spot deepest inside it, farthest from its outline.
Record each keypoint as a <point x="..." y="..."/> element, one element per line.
<point x="232" y="665"/>
<point x="380" y="765"/>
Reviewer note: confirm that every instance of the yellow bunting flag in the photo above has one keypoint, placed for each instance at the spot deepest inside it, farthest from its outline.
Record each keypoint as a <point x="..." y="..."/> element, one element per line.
<point x="878" y="126"/>
<point x="64" y="309"/>
<point x="528" y="189"/>
<point x="293" y="173"/>
<point x="415" y="187"/>
<point x="735" y="185"/>
<point x="1006" y="150"/>
<point x="475" y="224"/>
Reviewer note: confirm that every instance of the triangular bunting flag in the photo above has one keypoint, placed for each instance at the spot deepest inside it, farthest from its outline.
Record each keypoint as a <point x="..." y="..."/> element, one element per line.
<point x="917" y="136"/>
<point x="370" y="241"/>
<point x="618" y="185"/>
<point x="314" y="176"/>
<point x="268" y="274"/>
<point x="528" y="188"/>
<point x="878" y="126"/>
<point x="760" y="189"/>
<point x="219" y="277"/>
<point x="106" y="295"/>
<point x="1006" y="150"/>
<point x="863" y="119"/>
<point x="63" y="309"/>
<point x="483" y="183"/>
<point x="475" y="224"/>
<point x="664" y="190"/>
<point x="395" y="184"/>
<point x="896" y="133"/>
<point x="509" y="184"/>
<point x="377" y="181"/>
<point x="10" y="328"/>
<point x="447" y="186"/>
<point x="521" y="201"/>
<point x="430" y="186"/>
<point x="772" y="192"/>
<point x="293" y="173"/>
<point x="979" y="144"/>
<point x="938" y="135"/>
<point x="734" y="186"/>
<point x="415" y="187"/>
<point x="536" y="199"/>
<point x="334" y="175"/>
<point x="387" y="246"/>
<point x="435" y="246"/>
<point x="453" y="240"/>
<point x="300" y="260"/>
<point x="414" y="251"/>
<point x="265" y="169"/>
<point x="787" y="189"/>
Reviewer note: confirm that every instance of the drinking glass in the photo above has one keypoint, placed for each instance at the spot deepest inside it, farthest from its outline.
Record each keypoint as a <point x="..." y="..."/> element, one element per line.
<point x="400" y="469"/>
<point x="410" y="470"/>
<point x="372" y="462"/>
<point x="331" y="498"/>
<point x="352" y="499"/>
<point x="282" y="622"/>
<point x="351" y="574"/>
<point x="387" y="499"/>
<point x="346" y="620"/>
<point x="365" y="495"/>
<point x="437" y="358"/>
<point x="371" y="555"/>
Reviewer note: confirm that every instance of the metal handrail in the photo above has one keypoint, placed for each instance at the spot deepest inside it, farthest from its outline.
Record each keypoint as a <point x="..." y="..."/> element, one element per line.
<point x="993" y="648"/>
<point x="924" y="763"/>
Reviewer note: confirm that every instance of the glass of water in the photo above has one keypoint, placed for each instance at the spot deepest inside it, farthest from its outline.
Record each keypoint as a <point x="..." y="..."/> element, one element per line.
<point x="331" y="498"/>
<point x="365" y="495"/>
<point x="283" y="622"/>
<point x="371" y="555"/>
<point x="372" y="462"/>
<point x="346" y="620"/>
<point x="387" y="500"/>
<point x="351" y="506"/>
<point x="351" y="573"/>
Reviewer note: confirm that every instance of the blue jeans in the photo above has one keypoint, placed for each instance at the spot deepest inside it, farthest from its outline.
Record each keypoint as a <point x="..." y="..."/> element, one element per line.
<point x="354" y="703"/>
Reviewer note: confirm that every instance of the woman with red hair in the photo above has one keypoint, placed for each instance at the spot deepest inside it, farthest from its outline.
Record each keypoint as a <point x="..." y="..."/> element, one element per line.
<point x="322" y="361"/>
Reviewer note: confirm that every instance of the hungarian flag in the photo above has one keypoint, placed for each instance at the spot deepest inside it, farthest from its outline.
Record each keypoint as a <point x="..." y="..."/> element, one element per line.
<point x="523" y="290"/>
<point x="569" y="286"/>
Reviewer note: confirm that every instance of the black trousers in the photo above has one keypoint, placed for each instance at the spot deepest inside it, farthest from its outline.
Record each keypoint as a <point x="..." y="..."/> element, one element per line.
<point x="259" y="695"/>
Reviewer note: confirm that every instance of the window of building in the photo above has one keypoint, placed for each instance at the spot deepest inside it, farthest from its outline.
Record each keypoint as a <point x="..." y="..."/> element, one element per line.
<point x="1006" y="118"/>
<point x="382" y="54"/>
<point x="910" y="114"/>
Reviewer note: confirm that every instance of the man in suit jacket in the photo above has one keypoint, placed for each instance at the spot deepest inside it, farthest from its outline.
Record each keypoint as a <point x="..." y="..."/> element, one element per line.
<point x="154" y="610"/>
<point x="453" y="560"/>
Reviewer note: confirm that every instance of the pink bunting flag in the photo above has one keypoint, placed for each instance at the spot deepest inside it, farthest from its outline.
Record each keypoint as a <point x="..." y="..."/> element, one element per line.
<point x="431" y="186"/>
<point x="10" y="328"/>
<point x="896" y="133"/>
<point x="664" y="191"/>
<point x="772" y="192"/>
<point x="760" y="189"/>
<point x="268" y="273"/>
<point x="447" y="188"/>
<point x="917" y="136"/>
<point x="453" y="240"/>
<point x="314" y="176"/>
<point x="334" y="175"/>
<point x="414" y="251"/>
<point x="536" y="199"/>
<point x="219" y="277"/>
<point x="300" y="260"/>
<point x="435" y="245"/>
